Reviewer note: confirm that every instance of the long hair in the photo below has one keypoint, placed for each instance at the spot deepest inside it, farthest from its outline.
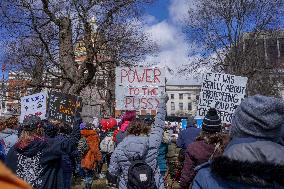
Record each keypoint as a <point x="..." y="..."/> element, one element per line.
<point x="219" y="140"/>
<point x="138" y="127"/>
<point x="27" y="137"/>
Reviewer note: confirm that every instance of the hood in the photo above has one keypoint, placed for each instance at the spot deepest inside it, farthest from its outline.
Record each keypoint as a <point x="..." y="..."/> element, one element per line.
<point x="87" y="133"/>
<point x="134" y="145"/>
<point x="252" y="162"/>
<point x="33" y="148"/>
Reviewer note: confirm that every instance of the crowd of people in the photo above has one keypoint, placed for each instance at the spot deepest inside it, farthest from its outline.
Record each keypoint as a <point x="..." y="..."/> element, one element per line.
<point x="138" y="153"/>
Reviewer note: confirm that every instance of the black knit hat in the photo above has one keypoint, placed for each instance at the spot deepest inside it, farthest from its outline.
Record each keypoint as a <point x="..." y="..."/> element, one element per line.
<point x="31" y="122"/>
<point x="212" y="121"/>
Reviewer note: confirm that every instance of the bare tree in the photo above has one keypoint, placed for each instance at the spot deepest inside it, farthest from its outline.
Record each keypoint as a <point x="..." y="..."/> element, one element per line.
<point x="47" y="33"/>
<point x="233" y="33"/>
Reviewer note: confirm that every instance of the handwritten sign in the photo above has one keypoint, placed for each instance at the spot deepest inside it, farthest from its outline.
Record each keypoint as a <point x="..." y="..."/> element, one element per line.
<point x="63" y="107"/>
<point x="139" y="87"/>
<point x="223" y="92"/>
<point x="33" y="104"/>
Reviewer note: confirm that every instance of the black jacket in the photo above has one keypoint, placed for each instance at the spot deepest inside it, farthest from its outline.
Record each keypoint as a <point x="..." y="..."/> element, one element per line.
<point x="40" y="162"/>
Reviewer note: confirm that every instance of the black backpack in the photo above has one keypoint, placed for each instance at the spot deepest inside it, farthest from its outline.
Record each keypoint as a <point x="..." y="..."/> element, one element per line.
<point x="140" y="174"/>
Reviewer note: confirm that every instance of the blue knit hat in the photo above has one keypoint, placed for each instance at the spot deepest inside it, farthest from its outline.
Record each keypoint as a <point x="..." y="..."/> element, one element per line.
<point x="259" y="116"/>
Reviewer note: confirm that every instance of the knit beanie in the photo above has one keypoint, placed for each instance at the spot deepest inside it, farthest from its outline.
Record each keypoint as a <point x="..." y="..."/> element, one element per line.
<point x="259" y="116"/>
<point x="212" y="121"/>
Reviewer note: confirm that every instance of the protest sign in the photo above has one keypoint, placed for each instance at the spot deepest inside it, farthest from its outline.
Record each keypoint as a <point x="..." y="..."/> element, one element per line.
<point x="33" y="104"/>
<point x="223" y="92"/>
<point x="139" y="88"/>
<point x="63" y="107"/>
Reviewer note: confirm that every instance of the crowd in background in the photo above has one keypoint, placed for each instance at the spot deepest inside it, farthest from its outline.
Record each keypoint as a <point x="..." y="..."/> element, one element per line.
<point x="146" y="153"/>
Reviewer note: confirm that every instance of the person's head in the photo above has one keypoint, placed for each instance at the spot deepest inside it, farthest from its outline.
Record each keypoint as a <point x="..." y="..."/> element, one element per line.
<point x="191" y="122"/>
<point x="32" y="130"/>
<point x="65" y="129"/>
<point x="260" y="117"/>
<point x="212" y="122"/>
<point x="138" y="127"/>
<point x="50" y="128"/>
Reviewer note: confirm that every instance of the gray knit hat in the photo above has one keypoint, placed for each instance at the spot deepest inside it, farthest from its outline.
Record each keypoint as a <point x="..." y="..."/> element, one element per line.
<point x="259" y="116"/>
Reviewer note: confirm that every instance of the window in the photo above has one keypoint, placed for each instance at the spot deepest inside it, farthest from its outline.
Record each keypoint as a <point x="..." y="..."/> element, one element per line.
<point x="172" y="106"/>
<point x="181" y="96"/>
<point x="180" y="106"/>
<point x="188" y="96"/>
<point x="172" y="96"/>
<point x="189" y="106"/>
<point x="197" y="97"/>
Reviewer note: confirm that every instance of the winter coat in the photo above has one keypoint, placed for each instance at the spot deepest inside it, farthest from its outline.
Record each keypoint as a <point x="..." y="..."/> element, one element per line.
<point x="187" y="137"/>
<point x="90" y="159"/>
<point x="9" y="181"/>
<point x="247" y="163"/>
<point x="196" y="154"/>
<point x="162" y="161"/>
<point x="137" y="145"/>
<point x="120" y="136"/>
<point x="10" y="137"/>
<point x="39" y="163"/>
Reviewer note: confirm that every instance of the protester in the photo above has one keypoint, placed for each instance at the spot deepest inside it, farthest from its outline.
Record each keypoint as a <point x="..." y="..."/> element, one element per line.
<point x="188" y="135"/>
<point x="140" y="146"/>
<point x="163" y="150"/>
<point x="9" y="181"/>
<point x="254" y="157"/>
<point x="126" y="119"/>
<point x="92" y="156"/>
<point x="203" y="148"/>
<point x="36" y="159"/>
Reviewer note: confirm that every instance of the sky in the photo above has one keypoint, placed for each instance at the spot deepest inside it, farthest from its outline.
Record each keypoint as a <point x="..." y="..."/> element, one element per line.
<point x="164" y="24"/>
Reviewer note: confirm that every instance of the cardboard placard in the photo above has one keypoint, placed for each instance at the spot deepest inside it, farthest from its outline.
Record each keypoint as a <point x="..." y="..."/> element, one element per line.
<point x="33" y="105"/>
<point x="63" y="107"/>
<point x="223" y="92"/>
<point x="139" y="88"/>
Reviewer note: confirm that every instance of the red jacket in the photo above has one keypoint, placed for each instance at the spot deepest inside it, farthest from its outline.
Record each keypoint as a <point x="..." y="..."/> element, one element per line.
<point x="196" y="153"/>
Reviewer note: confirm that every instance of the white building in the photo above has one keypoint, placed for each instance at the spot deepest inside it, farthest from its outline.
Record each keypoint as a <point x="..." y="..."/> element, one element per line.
<point x="183" y="96"/>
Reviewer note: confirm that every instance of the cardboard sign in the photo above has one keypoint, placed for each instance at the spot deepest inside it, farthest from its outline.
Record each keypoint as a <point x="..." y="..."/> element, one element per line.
<point x="139" y="88"/>
<point x="33" y="105"/>
<point x="223" y="92"/>
<point x="63" y="107"/>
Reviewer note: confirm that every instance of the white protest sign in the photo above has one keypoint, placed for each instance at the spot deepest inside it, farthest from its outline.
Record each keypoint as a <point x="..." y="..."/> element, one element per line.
<point x="139" y="87"/>
<point x="223" y="92"/>
<point x="34" y="104"/>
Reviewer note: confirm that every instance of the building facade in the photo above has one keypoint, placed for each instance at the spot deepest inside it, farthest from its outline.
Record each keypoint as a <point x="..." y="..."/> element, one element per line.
<point x="183" y="97"/>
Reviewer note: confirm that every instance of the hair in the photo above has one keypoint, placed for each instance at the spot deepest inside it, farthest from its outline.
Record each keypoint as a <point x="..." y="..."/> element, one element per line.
<point x="138" y="127"/>
<point x="27" y="137"/>
<point x="215" y="138"/>
<point x="11" y="123"/>
<point x="65" y="129"/>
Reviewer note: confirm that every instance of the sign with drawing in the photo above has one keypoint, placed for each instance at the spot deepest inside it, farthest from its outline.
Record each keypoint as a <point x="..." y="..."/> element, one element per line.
<point x="139" y="88"/>
<point x="223" y="92"/>
<point x="34" y="104"/>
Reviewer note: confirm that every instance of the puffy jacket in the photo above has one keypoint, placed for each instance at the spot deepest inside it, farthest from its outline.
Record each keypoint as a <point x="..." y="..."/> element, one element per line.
<point x="134" y="145"/>
<point x="196" y="154"/>
<point x="9" y="181"/>
<point x="187" y="136"/>
<point x="247" y="163"/>
<point x="39" y="163"/>
<point x="90" y="159"/>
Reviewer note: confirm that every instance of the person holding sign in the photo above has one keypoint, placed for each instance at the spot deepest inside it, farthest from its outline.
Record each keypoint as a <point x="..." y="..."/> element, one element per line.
<point x="143" y="145"/>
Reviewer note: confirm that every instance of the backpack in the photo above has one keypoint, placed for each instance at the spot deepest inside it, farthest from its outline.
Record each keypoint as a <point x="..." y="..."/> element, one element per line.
<point x="83" y="146"/>
<point x="140" y="174"/>
<point x="107" y="145"/>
